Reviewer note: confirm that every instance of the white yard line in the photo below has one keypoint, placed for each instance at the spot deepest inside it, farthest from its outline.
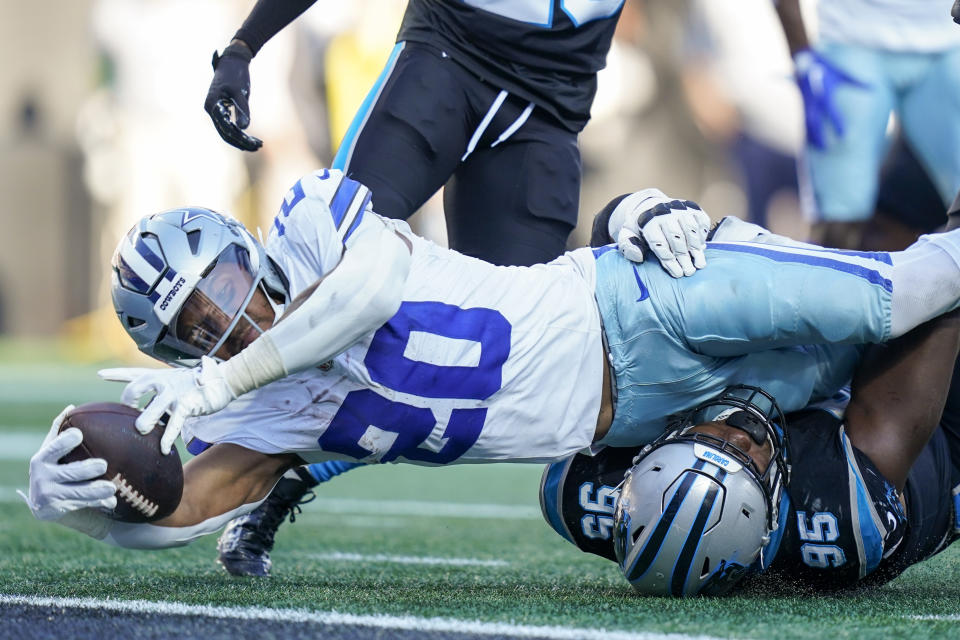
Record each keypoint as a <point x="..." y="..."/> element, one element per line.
<point x="9" y="494"/>
<point x="944" y="617"/>
<point x="19" y="444"/>
<point x="427" y="560"/>
<point x="406" y="623"/>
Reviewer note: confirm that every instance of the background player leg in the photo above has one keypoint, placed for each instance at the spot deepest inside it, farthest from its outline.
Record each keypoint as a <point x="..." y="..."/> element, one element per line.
<point x="406" y="143"/>
<point x="840" y="181"/>
<point x="928" y="116"/>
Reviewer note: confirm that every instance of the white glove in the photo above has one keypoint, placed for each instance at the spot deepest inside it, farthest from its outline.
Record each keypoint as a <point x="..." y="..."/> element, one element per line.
<point x="675" y="231"/>
<point x="68" y="493"/>
<point x="181" y="393"/>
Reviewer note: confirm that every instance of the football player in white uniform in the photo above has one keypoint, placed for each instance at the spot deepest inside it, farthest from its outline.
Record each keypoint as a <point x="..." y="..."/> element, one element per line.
<point x="390" y="348"/>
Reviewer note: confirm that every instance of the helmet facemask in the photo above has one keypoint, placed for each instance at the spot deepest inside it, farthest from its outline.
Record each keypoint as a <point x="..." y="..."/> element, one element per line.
<point x="216" y="318"/>
<point x="755" y="412"/>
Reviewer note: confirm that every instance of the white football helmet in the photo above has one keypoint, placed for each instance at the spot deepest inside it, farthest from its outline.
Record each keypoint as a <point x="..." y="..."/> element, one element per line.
<point x="182" y="280"/>
<point x="695" y="511"/>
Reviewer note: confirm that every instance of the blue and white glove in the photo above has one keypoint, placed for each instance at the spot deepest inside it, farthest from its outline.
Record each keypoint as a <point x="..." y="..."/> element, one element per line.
<point x="69" y="494"/>
<point x="818" y="79"/>
<point x="179" y="393"/>
<point x="675" y="231"/>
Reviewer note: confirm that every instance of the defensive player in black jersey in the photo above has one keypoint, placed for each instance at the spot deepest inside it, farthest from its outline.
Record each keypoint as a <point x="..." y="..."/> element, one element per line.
<point x="484" y="97"/>
<point x="854" y="492"/>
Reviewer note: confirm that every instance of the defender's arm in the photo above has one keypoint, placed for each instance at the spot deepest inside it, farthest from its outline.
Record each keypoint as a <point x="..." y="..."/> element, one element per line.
<point x="898" y="395"/>
<point x="230" y="88"/>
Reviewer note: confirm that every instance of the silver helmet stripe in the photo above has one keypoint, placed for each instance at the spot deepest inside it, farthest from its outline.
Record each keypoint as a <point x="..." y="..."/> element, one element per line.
<point x="644" y="556"/>
<point x="682" y="568"/>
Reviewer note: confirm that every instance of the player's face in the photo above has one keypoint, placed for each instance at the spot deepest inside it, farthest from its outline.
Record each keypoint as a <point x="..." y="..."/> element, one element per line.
<point x="257" y="318"/>
<point x="759" y="453"/>
<point x="209" y="311"/>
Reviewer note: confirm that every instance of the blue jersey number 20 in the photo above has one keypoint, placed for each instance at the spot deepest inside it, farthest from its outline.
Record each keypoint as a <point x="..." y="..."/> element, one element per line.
<point x="365" y="414"/>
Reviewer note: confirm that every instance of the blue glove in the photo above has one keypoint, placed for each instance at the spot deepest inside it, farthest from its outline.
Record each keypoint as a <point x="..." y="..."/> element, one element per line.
<point x="818" y="78"/>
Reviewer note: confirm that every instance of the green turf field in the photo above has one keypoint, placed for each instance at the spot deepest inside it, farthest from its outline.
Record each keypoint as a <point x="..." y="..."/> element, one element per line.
<point x="463" y="543"/>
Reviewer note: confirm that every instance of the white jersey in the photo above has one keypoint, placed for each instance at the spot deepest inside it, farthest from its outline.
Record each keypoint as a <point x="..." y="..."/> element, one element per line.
<point x="919" y="26"/>
<point x="481" y="363"/>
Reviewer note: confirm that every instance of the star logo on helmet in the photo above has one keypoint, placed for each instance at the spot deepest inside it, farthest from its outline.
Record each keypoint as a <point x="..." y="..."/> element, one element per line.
<point x="195" y="213"/>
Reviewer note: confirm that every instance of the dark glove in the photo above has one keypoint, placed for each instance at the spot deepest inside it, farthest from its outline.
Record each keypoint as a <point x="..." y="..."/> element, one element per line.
<point x="231" y="88"/>
<point x="955" y="11"/>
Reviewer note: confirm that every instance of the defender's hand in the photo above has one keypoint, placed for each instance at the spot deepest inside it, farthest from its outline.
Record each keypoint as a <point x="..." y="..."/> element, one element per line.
<point x="675" y="231"/>
<point x="59" y="490"/>
<point x="179" y="393"/>
<point x="818" y="79"/>
<point x="230" y="88"/>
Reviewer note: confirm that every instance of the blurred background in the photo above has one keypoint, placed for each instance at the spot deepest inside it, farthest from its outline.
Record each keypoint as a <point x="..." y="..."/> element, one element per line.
<point x="101" y="122"/>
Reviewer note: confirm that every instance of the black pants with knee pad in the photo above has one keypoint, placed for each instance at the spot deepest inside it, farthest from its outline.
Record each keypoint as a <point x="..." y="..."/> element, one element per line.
<point x="512" y="171"/>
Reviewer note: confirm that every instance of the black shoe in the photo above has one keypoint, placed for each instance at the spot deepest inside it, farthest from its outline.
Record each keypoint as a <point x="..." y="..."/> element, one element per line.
<point x="244" y="546"/>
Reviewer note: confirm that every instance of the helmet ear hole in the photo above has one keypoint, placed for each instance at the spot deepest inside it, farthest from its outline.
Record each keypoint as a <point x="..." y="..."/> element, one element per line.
<point x="193" y="239"/>
<point x="133" y="323"/>
<point x="638" y="533"/>
<point x="706" y="567"/>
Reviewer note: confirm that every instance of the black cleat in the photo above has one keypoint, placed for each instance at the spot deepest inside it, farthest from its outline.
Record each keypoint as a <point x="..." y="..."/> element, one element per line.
<point x="244" y="546"/>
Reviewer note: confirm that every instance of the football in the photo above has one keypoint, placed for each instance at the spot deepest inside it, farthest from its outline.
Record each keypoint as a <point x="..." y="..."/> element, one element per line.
<point x="149" y="485"/>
